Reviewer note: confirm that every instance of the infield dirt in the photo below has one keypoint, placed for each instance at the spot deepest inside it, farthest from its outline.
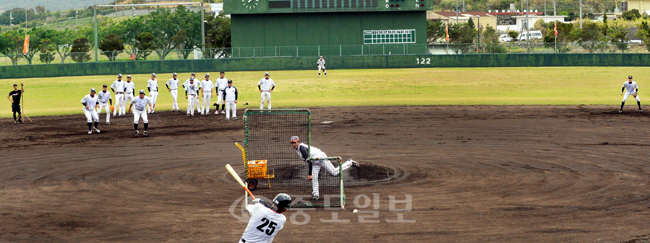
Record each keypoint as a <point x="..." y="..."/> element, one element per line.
<point x="475" y="173"/>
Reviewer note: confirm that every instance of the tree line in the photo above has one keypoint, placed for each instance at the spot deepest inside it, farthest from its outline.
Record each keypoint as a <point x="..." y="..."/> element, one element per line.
<point x="160" y="32"/>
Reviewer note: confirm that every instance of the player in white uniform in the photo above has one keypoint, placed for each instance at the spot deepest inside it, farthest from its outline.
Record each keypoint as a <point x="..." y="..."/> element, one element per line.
<point x="172" y="86"/>
<point x="266" y="86"/>
<point x="321" y="65"/>
<point x="306" y="152"/>
<point x="129" y="89"/>
<point x="266" y="220"/>
<point x="207" y="87"/>
<point x="222" y="83"/>
<point x="191" y="91"/>
<point x="230" y="98"/>
<point x="152" y="87"/>
<point x="118" y="88"/>
<point x="141" y="103"/>
<point x="196" y="97"/>
<point x="104" y="99"/>
<point x="90" y="104"/>
<point x="630" y="88"/>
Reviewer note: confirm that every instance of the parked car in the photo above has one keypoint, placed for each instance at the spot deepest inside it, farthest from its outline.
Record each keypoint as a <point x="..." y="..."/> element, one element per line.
<point x="530" y="35"/>
<point x="505" y="38"/>
<point x="635" y="42"/>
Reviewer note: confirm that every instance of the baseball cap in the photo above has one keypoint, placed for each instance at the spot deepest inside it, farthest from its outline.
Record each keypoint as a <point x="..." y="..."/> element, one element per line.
<point x="174" y="74"/>
<point x="267" y="73"/>
<point x="207" y="75"/>
<point x="128" y="76"/>
<point x="119" y="75"/>
<point x="229" y="81"/>
<point x="15" y="84"/>
<point x="104" y="85"/>
<point x="193" y="73"/>
<point x="295" y="139"/>
<point x="222" y="72"/>
<point x="629" y="76"/>
<point x="142" y="91"/>
<point x="93" y="90"/>
<point x="153" y="74"/>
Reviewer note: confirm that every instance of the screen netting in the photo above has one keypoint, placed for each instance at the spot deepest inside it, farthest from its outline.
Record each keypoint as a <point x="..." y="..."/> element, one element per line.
<point x="267" y="135"/>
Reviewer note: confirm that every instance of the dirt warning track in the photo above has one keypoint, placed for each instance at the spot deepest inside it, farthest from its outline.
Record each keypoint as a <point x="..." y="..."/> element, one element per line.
<point x="475" y="173"/>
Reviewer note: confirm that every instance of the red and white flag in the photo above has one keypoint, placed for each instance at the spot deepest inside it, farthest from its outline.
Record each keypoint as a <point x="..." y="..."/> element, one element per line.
<point x="133" y="57"/>
<point x="26" y="45"/>
<point x="555" y="28"/>
<point x="447" y="32"/>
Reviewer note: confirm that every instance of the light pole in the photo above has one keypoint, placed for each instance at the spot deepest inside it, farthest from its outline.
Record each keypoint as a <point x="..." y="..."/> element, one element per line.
<point x="25" y="18"/>
<point x="580" y="14"/>
<point x="76" y="20"/>
<point x="478" y="21"/>
<point x="457" y="10"/>
<point x="11" y="17"/>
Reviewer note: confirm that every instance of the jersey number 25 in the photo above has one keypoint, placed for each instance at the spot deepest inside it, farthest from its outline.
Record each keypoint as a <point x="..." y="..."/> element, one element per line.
<point x="271" y="226"/>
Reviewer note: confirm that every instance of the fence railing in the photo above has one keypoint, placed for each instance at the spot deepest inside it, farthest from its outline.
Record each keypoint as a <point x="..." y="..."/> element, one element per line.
<point x="328" y="50"/>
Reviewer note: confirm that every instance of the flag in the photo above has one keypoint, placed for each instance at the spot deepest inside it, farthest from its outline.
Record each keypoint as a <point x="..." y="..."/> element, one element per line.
<point x="447" y="32"/>
<point x="133" y="56"/>
<point x="26" y="45"/>
<point x="555" y="28"/>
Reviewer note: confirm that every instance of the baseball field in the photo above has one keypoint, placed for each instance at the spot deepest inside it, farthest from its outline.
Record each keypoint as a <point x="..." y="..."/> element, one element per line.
<point x="447" y="155"/>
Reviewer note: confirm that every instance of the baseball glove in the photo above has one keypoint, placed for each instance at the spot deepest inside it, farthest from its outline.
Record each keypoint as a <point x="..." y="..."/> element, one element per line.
<point x="634" y="94"/>
<point x="112" y="108"/>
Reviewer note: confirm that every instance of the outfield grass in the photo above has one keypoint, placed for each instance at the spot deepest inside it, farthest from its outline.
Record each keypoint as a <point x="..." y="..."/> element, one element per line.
<point x="367" y="87"/>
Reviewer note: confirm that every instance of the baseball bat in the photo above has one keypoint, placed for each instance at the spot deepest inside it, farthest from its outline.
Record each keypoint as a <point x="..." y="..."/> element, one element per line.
<point x="234" y="175"/>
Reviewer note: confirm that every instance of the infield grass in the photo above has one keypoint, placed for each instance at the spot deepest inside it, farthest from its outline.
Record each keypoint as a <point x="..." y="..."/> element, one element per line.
<point x="366" y="87"/>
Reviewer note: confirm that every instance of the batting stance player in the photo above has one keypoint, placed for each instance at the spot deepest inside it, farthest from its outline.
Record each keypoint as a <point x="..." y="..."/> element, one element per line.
<point x="632" y="89"/>
<point x="321" y="65"/>
<point x="15" y="101"/>
<point x="90" y="104"/>
<point x="222" y="83"/>
<point x="141" y="103"/>
<point x="196" y="97"/>
<point x="191" y="91"/>
<point x="172" y="86"/>
<point x="230" y="98"/>
<point x="266" y="220"/>
<point x="266" y="86"/>
<point x="104" y="99"/>
<point x="129" y="88"/>
<point x="206" y="87"/>
<point x="118" y="88"/>
<point x="152" y="87"/>
<point x="305" y="152"/>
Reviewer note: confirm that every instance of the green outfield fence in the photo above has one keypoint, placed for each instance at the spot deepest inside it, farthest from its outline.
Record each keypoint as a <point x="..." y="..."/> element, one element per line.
<point x="333" y="62"/>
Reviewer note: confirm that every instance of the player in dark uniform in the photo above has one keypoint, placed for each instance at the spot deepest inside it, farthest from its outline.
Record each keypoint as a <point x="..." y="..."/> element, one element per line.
<point x="14" y="97"/>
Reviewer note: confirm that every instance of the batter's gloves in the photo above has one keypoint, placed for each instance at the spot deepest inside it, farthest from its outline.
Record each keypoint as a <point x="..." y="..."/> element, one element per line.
<point x="112" y="108"/>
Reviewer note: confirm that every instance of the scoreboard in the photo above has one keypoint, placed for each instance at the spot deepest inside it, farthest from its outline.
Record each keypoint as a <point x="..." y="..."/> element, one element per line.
<point x="307" y="6"/>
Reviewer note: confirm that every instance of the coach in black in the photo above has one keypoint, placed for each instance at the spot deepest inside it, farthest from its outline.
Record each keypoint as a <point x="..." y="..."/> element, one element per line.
<point x="14" y="97"/>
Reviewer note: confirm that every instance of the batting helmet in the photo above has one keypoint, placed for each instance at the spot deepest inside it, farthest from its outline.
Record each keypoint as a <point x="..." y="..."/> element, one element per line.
<point x="282" y="201"/>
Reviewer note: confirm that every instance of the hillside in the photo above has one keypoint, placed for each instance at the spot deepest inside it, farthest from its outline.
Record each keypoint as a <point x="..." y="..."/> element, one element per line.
<point x="50" y="5"/>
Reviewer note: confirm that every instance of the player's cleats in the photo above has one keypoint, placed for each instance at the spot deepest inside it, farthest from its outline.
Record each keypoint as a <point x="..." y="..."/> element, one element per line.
<point x="227" y="119"/>
<point x="90" y="131"/>
<point x="136" y="133"/>
<point x="145" y="134"/>
<point x="234" y="118"/>
<point x="354" y="163"/>
<point x="315" y="198"/>
<point x="223" y="112"/>
<point x="15" y="121"/>
<point x="620" y="111"/>
<point x="96" y="130"/>
<point x="640" y="110"/>
<point x="108" y="123"/>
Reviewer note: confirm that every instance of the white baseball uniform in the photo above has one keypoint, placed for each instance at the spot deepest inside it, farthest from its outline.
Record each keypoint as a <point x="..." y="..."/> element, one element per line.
<point x="207" y="87"/>
<point x="230" y="97"/>
<point x="629" y="89"/>
<point x="129" y="87"/>
<point x="173" y="85"/>
<point x="196" y="97"/>
<point x="263" y="225"/>
<point x="104" y="97"/>
<point x="192" y="91"/>
<point x="305" y="152"/>
<point x="321" y="66"/>
<point x="118" y="88"/>
<point x="152" y="84"/>
<point x="90" y="113"/>
<point x="140" y="110"/>
<point x="266" y="85"/>
<point x="222" y="83"/>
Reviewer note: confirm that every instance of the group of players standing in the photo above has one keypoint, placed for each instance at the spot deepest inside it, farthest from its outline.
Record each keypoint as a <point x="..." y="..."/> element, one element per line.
<point x="227" y="96"/>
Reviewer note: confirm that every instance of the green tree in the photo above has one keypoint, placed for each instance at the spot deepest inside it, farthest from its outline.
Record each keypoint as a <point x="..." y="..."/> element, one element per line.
<point x="36" y="35"/>
<point x="632" y="14"/>
<point x="491" y="40"/>
<point x="644" y="34"/>
<point x="111" y="46"/>
<point x="618" y="36"/>
<point x="47" y="49"/>
<point x="63" y="41"/>
<point x="605" y="18"/>
<point x="11" y="45"/>
<point x="164" y="26"/>
<point x="217" y="38"/>
<point x="143" y="46"/>
<point x="590" y="37"/>
<point x="435" y="31"/>
<point x="513" y="34"/>
<point x="189" y="35"/>
<point x="80" y="49"/>
<point x="461" y="36"/>
<point x="470" y="23"/>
